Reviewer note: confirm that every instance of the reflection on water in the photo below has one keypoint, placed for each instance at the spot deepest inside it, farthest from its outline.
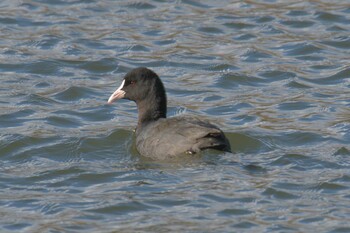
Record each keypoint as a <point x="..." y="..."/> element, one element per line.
<point x="273" y="74"/>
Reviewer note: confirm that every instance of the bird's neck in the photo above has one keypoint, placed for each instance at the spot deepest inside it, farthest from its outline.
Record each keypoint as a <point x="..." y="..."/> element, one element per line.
<point x="151" y="109"/>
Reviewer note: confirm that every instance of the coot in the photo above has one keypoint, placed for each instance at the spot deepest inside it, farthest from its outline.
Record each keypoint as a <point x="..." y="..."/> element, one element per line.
<point x="159" y="137"/>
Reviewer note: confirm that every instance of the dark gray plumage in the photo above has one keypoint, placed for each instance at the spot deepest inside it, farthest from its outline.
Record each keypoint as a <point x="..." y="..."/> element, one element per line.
<point x="159" y="137"/>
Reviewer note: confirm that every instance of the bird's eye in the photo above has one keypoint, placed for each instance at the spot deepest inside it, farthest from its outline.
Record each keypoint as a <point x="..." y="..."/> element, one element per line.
<point x="132" y="82"/>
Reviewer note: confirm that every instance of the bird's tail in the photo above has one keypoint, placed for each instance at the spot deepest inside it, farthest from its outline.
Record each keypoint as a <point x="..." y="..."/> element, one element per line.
<point x="216" y="141"/>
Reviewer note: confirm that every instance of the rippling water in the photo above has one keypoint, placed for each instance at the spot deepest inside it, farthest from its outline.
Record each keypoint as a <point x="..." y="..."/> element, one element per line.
<point x="275" y="75"/>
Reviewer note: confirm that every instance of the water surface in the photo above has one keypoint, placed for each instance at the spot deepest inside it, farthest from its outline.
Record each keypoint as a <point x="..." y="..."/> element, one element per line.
<point x="275" y="75"/>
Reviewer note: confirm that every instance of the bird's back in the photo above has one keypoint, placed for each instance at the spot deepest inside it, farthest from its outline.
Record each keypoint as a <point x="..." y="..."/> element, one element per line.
<point x="169" y="137"/>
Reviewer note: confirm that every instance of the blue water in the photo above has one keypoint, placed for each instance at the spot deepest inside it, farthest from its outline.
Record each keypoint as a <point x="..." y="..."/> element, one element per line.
<point x="274" y="75"/>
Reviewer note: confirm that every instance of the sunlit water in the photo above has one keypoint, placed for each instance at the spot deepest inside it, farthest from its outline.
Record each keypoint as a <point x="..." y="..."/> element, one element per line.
<point x="275" y="75"/>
